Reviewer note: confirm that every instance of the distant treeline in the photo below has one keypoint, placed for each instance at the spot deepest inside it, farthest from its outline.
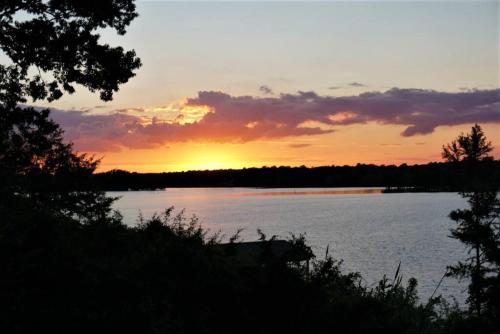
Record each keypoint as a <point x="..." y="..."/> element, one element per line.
<point x="428" y="177"/>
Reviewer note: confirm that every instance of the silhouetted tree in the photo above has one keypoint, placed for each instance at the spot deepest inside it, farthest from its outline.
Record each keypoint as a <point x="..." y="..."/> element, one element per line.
<point x="53" y="45"/>
<point x="470" y="147"/>
<point x="478" y="226"/>
<point x="36" y="165"/>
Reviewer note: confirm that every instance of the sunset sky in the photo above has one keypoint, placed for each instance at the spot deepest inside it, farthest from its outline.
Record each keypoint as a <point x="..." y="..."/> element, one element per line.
<point x="232" y="85"/>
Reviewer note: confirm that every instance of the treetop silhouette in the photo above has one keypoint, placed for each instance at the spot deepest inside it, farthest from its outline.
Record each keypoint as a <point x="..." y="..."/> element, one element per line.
<point x="472" y="146"/>
<point x="55" y="44"/>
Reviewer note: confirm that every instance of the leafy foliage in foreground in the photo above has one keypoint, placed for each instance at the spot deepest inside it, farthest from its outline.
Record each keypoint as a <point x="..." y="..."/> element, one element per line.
<point x="53" y="45"/>
<point x="167" y="276"/>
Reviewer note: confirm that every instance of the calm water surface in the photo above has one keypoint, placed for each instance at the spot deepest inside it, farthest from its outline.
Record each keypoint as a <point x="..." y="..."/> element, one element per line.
<point x="372" y="232"/>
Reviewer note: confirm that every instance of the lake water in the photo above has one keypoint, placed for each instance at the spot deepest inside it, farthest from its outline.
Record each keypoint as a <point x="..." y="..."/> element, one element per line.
<point x="372" y="232"/>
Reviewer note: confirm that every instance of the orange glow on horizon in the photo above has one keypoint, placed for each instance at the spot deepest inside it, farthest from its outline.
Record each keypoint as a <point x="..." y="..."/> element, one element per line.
<point x="348" y="145"/>
<point x="210" y="159"/>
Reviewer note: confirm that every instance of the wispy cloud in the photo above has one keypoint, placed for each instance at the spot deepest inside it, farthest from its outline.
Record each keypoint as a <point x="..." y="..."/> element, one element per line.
<point x="390" y="144"/>
<point x="298" y="145"/>
<point x="348" y="85"/>
<point x="356" y="84"/>
<point x="221" y="117"/>
<point x="266" y="90"/>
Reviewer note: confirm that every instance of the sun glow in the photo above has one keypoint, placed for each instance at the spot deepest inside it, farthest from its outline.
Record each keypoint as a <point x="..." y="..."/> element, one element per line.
<point x="211" y="157"/>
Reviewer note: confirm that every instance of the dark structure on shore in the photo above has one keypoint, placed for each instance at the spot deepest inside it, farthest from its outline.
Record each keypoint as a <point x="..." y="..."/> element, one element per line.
<point x="264" y="252"/>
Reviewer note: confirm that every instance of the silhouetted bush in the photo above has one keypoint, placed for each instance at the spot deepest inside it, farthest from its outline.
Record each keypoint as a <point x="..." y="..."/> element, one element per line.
<point x="167" y="276"/>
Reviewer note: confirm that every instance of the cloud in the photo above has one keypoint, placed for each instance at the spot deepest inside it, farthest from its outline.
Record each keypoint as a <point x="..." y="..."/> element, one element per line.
<point x="348" y="85"/>
<point x="356" y="84"/>
<point x="266" y="90"/>
<point x="390" y="144"/>
<point x="221" y="117"/>
<point x="298" y="145"/>
<point x="130" y="110"/>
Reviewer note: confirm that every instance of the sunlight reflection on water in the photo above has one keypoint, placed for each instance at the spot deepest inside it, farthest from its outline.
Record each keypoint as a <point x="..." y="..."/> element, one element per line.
<point x="315" y="192"/>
